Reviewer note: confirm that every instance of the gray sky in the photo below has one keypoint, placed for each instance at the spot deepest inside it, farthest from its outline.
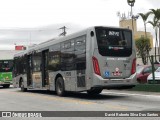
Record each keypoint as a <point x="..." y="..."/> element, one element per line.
<point x="34" y="21"/>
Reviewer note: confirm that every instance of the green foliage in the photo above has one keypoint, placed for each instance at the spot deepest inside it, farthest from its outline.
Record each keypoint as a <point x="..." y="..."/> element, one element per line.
<point x="156" y="13"/>
<point x="144" y="16"/>
<point x="155" y="23"/>
<point x="143" y="47"/>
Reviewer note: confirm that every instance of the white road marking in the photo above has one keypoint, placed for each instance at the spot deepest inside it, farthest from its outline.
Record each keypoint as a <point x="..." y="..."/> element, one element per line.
<point x="131" y="94"/>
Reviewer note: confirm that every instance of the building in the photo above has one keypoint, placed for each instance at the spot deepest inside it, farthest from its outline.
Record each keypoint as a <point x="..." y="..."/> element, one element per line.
<point x="127" y="23"/>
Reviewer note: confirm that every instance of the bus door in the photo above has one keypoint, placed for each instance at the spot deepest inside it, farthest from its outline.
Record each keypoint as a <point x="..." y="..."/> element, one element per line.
<point x="29" y="70"/>
<point x="80" y="52"/>
<point x="45" y="78"/>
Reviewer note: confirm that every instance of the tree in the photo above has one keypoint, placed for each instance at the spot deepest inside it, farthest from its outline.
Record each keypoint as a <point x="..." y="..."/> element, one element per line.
<point x="154" y="23"/>
<point x="144" y="18"/>
<point x="156" y="13"/>
<point x="143" y="46"/>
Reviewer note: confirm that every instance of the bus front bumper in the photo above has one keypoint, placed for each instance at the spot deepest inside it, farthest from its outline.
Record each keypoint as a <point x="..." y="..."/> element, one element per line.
<point x="5" y="82"/>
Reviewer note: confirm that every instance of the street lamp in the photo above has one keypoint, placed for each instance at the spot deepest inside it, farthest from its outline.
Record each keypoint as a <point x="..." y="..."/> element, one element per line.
<point x="131" y="3"/>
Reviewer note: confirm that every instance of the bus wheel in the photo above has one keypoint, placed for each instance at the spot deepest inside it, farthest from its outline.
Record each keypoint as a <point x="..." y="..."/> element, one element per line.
<point x="22" y="86"/>
<point x="6" y="86"/>
<point x="60" y="90"/>
<point x="94" y="91"/>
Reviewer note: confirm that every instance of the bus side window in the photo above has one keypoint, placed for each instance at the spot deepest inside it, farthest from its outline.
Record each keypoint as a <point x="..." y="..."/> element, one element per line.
<point x="80" y="52"/>
<point x="54" y="58"/>
<point x="80" y="43"/>
<point x="36" y="62"/>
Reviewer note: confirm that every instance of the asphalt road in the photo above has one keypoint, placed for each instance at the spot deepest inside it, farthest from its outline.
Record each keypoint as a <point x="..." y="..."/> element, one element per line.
<point x="13" y="99"/>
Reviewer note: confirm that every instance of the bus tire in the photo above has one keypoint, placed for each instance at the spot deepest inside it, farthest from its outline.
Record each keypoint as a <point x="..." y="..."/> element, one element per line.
<point x="6" y="86"/>
<point x="23" y="89"/>
<point x="60" y="90"/>
<point x="94" y="91"/>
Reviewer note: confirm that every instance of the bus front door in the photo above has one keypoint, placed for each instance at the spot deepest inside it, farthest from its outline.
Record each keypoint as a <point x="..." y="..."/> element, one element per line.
<point x="29" y="70"/>
<point x="45" y="79"/>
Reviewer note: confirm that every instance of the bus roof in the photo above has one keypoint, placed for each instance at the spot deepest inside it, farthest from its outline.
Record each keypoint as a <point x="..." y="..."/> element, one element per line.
<point x="46" y="44"/>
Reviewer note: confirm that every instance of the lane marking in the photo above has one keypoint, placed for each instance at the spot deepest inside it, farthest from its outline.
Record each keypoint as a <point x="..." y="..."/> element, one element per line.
<point x="132" y="94"/>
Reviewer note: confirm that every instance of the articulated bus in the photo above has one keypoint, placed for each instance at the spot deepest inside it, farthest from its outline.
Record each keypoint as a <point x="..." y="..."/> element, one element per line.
<point x="94" y="59"/>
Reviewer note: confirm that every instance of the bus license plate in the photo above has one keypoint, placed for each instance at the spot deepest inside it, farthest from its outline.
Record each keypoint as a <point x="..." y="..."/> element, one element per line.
<point x="116" y="81"/>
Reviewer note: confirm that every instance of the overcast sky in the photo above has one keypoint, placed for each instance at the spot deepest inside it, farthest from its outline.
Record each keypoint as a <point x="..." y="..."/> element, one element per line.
<point x="24" y="22"/>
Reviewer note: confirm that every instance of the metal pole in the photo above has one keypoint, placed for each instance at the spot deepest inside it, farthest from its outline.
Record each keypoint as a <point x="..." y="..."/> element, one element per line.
<point x="64" y="31"/>
<point x="132" y="19"/>
<point x="152" y="62"/>
<point x="159" y="43"/>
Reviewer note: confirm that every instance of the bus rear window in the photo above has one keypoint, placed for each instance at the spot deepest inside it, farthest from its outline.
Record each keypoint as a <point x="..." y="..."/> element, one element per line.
<point x="114" y="42"/>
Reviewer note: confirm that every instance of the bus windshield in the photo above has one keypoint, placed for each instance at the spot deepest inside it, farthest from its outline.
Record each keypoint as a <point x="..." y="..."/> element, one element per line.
<point x="114" y="42"/>
<point x="6" y="65"/>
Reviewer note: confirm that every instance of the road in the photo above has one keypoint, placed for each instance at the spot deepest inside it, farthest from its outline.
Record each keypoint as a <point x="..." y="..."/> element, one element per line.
<point x="13" y="99"/>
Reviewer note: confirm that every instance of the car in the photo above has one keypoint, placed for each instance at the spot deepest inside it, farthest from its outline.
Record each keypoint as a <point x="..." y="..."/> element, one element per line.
<point x="157" y="77"/>
<point x="143" y="71"/>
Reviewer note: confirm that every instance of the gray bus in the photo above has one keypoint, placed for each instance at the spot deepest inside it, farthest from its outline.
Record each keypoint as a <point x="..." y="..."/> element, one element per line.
<point x="91" y="60"/>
